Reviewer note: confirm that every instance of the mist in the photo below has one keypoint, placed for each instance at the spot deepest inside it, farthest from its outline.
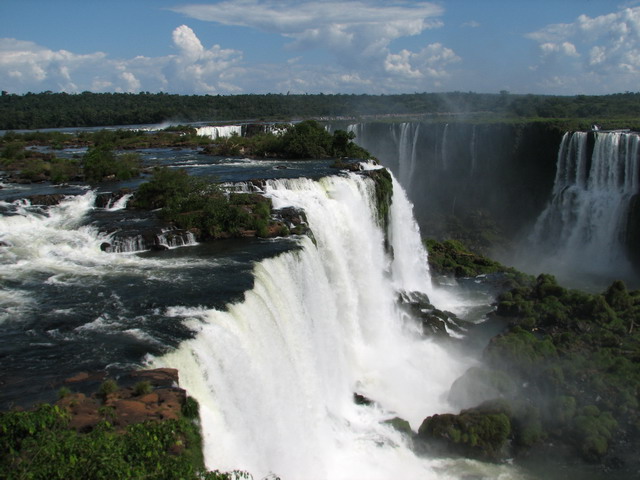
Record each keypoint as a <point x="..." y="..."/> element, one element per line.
<point x="509" y="191"/>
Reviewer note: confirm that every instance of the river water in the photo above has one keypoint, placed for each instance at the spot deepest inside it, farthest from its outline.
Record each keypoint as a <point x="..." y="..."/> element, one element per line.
<point x="272" y="337"/>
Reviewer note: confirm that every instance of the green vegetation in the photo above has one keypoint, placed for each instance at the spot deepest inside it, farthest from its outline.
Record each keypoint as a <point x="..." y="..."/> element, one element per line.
<point x="577" y="357"/>
<point x="24" y="163"/>
<point x="200" y="205"/>
<point x="303" y="140"/>
<point x="384" y="194"/>
<point x="566" y="370"/>
<point x="142" y="388"/>
<point x="39" y="445"/>
<point x="107" y="388"/>
<point x="100" y="164"/>
<point x="32" y="166"/>
<point x="479" y="433"/>
<point x="50" y="110"/>
<point x="451" y="257"/>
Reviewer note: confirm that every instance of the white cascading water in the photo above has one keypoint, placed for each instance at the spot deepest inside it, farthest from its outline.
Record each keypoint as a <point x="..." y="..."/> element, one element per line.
<point x="583" y="225"/>
<point x="170" y="239"/>
<point x="119" y="204"/>
<point x="402" y="142"/>
<point x="221" y="131"/>
<point x="56" y="241"/>
<point x="409" y="132"/>
<point x="275" y="374"/>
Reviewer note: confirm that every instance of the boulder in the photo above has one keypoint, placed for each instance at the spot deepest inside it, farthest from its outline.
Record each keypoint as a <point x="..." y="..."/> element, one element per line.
<point x="46" y="200"/>
<point x="434" y="322"/>
<point x="107" y="199"/>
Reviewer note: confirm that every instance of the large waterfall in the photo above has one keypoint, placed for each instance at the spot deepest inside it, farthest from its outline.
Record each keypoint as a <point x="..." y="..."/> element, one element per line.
<point x="584" y="226"/>
<point x="275" y="374"/>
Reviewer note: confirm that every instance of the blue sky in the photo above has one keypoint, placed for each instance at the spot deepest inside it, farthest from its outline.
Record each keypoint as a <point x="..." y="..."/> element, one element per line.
<point x="334" y="46"/>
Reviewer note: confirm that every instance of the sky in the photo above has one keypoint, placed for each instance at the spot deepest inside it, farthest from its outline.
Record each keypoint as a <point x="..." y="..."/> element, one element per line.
<point x="557" y="47"/>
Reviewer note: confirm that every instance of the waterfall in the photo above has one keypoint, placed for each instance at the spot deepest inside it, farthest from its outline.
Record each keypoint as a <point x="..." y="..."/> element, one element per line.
<point x="583" y="226"/>
<point x="172" y="238"/>
<point x="128" y="244"/>
<point x="121" y="242"/>
<point x="444" y="153"/>
<point x="275" y="373"/>
<point x="118" y="204"/>
<point x="407" y="150"/>
<point x="222" y="131"/>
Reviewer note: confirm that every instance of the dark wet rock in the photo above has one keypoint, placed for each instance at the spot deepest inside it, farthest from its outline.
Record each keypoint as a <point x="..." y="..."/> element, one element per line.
<point x="293" y="218"/>
<point x="257" y="184"/>
<point x="359" y="399"/>
<point x="164" y="377"/>
<point x="108" y="199"/>
<point x="347" y="164"/>
<point x="46" y="200"/>
<point x="434" y="322"/>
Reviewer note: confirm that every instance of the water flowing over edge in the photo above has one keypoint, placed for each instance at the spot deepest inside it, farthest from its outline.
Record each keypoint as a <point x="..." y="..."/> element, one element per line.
<point x="583" y="226"/>
<point x="275" y="374"/>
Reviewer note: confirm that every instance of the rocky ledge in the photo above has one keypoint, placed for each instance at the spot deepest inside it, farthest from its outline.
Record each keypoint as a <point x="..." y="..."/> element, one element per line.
<point x="146" y="395"/>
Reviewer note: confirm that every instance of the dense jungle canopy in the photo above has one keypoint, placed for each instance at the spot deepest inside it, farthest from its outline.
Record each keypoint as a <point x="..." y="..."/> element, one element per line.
<point x="56" y="110"/>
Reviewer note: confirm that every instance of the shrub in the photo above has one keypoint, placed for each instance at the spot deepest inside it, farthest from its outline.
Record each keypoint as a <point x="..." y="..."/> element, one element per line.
<point x="107" y="388"/>
<point x="142" y="388"/>
<point x="472" y="432"/>
<point x="100" y="163"/>
<point x="35" y="169"/>
<point x="195" y="203"/>
<point x="63" y="170"/>
<point x="64" y="392"/>
<point x="190" y="408"/>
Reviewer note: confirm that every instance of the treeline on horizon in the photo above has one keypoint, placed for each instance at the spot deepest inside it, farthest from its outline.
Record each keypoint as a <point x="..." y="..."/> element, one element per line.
<point x="87" y="109"/>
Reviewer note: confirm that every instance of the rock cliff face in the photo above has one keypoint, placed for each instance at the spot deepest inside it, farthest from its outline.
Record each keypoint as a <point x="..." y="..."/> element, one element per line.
<point x="504" y="169"/>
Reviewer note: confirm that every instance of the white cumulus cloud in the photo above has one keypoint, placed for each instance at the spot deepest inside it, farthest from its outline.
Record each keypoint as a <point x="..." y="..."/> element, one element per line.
<point x="429" y="62"/>
<point x="26" y="66"/>
<point x="357" y="33"/>
<point x="597" y="52"/>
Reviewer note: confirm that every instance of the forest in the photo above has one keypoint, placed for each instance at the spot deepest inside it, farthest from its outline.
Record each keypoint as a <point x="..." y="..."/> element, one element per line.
<point x="87" y="109"/>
